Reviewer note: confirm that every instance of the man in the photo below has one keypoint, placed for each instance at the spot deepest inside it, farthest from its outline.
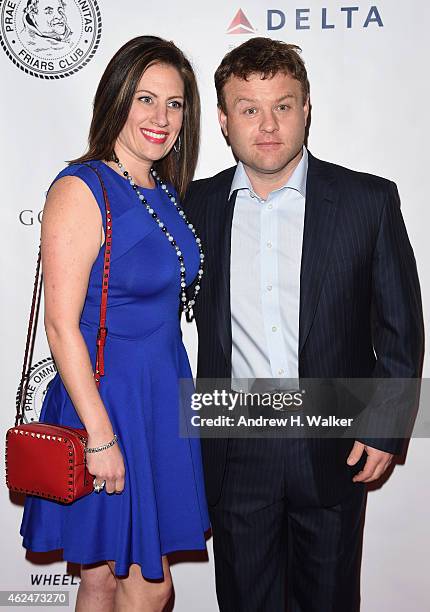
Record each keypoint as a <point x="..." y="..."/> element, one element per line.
<point x="309" y="274"/>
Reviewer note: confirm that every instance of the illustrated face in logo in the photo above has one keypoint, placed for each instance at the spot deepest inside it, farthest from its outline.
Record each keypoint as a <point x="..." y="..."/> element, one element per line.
<point x="47" y="40"/>
<point x="47" y="19"/>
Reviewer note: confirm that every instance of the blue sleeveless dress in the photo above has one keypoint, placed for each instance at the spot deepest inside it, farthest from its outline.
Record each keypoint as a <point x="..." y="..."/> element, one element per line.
<point x="162" y="508"/>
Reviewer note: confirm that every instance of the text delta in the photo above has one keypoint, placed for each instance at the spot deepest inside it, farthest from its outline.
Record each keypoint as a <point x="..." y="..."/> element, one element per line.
<point x="303" y="18"/>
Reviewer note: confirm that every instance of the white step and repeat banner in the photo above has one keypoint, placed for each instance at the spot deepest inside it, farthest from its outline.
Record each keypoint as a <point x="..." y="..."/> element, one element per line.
<point x="368" y="68"/>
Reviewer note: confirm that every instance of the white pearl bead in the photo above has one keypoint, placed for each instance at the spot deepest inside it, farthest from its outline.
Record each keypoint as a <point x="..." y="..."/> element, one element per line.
<point x="185" y="307"/>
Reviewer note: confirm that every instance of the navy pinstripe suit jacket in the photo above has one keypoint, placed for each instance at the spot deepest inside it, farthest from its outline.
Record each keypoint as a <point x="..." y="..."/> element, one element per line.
<point x="360" y="303"/>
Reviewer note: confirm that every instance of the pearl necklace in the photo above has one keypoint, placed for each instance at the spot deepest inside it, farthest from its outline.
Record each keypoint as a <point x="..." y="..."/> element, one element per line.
<point x="186" y="305"/>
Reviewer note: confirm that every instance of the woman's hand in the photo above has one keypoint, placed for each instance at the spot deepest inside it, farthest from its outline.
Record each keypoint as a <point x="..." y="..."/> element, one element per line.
<point x="106" y="465"/>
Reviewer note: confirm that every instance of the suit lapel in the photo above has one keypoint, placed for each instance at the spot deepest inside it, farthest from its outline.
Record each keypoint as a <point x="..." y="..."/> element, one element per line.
<point x="319" y="227"/>
<point x="320" y="222"/>
<point x="219" y="228"/>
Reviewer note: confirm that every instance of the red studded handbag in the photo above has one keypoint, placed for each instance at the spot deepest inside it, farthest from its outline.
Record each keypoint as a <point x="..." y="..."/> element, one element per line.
<point x="44" y="459"/>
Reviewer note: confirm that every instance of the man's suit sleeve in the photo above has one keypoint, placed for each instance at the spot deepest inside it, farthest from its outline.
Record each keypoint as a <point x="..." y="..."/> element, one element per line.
<point x="192" y="202"/>
<point x="398" y="337"/>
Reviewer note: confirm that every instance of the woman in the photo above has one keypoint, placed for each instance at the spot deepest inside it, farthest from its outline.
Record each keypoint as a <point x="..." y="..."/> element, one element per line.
<point x="150" y="500"/>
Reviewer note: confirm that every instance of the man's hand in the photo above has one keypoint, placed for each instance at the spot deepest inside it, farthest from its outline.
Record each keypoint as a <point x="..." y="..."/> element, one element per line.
<point x="376" y="463"/>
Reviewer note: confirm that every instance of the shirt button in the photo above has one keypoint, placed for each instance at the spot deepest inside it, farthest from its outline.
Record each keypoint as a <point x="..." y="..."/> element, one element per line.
<point x="269" y="245"/>
<point x="281" y="371"/>
<point x="270" y="206"/>
<point x="269" y="287"/>
<point x="274" y="328"/>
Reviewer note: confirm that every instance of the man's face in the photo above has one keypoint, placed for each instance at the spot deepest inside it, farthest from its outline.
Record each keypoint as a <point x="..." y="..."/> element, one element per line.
<point x="50" y="18"/>
<point x="265" y="121"/>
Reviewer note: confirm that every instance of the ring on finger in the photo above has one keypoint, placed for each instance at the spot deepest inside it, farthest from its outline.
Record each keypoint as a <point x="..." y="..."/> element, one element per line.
<point x="98" y="486"/>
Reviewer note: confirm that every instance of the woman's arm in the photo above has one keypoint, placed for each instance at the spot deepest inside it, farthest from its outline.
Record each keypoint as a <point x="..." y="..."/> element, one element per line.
<point x="72" y="232"/>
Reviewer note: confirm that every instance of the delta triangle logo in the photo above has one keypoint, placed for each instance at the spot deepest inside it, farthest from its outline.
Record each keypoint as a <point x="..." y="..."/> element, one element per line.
<point x="240" y="24"/>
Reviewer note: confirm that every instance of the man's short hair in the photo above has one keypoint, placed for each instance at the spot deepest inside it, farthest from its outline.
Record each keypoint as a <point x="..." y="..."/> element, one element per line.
<point x="262" y="56"/>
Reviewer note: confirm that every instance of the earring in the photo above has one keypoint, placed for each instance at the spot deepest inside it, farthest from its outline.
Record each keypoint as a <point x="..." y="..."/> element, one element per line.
<point x="177" y="145"/>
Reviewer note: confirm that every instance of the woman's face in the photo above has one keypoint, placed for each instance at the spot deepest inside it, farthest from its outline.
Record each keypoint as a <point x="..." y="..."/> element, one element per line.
<point x="156" y="115"/>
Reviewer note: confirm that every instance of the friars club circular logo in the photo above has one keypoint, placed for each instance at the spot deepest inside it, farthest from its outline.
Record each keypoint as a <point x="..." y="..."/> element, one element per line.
<point x="50" y="39"/>
<point x="41" y="375"/>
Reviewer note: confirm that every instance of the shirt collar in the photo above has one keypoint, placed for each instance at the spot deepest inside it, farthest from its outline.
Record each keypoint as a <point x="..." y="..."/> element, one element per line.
<point x="297" y="180"/>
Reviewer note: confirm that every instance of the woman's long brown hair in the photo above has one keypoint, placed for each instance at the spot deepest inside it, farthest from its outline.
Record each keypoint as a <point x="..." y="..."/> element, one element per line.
<point x="114" y="97"/>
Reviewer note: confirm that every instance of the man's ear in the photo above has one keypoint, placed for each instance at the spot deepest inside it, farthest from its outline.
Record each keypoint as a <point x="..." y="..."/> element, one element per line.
<point x="306" y="109"/>
<point x="222" y="118"/>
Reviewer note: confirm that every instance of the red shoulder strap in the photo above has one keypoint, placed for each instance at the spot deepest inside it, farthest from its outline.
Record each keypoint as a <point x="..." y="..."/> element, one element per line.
<point x="34" y="311"/>
<point x="102" y="331"/>
<point x="29" y="345"/>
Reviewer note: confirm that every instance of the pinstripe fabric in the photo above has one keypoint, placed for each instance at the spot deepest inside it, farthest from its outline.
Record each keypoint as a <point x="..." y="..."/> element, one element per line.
<point x="359" y="290"/>
<point x="263" y="510"/>
<point x="359" y="295"/>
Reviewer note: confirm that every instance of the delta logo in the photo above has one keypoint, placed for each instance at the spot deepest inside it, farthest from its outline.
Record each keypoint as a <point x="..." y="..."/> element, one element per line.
<point x="240" y="24"/>
<point x="344" y="17"/>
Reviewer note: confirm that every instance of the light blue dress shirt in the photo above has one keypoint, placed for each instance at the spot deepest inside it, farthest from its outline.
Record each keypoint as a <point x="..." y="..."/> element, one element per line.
<point x="266" y="251"/>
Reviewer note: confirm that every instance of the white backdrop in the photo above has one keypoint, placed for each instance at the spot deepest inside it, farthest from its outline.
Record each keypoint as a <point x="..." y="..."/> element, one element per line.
<point x="369" y="88"/>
